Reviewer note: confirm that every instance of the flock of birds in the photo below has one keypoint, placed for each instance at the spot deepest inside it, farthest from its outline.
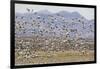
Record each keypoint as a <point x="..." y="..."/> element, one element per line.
<point x="45" y="27"/>
<point x="40" y="27"/>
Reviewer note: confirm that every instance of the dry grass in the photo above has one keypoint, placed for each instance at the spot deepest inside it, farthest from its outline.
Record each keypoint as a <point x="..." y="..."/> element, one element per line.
<point x="54" y="57"/>
<point x="47" y="50"/>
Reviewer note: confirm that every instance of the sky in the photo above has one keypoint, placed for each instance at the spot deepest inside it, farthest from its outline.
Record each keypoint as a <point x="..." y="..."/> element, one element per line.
<point x="88" y="13"/>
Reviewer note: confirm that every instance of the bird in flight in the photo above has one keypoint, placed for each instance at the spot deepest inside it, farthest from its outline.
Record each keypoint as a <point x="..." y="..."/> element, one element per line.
<point x="29" y="10"/>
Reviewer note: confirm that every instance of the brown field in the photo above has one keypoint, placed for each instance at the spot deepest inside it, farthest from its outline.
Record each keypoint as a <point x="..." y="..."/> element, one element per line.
<point x="55" y="57"/>
<point x="27" y="53"/>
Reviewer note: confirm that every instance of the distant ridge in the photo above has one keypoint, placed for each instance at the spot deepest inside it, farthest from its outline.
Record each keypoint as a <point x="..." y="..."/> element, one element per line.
<point x="58" y="22"/>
